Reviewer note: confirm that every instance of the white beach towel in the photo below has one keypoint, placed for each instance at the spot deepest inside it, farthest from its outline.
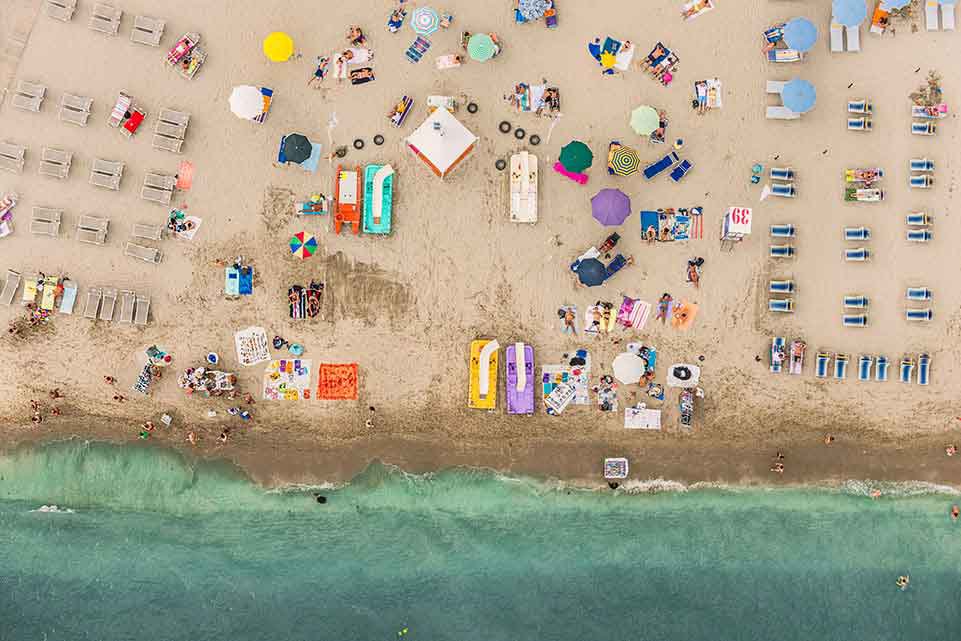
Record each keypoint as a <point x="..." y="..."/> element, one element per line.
<point x="622" y="61"/>
<point x="642" y="419"/>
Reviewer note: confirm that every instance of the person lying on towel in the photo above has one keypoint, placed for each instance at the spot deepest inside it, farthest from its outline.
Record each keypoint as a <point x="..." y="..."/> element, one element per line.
<point x="362" y="75"/>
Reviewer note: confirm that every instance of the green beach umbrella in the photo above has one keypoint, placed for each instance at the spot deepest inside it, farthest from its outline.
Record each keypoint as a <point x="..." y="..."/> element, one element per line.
<point x="480" y="47"/>
<point x="644" y="120"/>
<point x="576" y="156"/>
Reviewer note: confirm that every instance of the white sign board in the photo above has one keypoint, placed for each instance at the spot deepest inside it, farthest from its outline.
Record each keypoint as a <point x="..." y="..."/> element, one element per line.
<point x="739" y="220"/>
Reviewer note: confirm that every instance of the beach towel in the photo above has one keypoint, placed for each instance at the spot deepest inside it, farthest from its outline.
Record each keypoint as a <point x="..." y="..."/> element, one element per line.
<point x="578" y="178"/>
<point x="252" y="346"/>
<point x="187" y="227"/>
<point x="297" y="302"/>
<point x="683" y="315"/>
<point x="682" y="227"/>
<point x="185" y="176"/>
<point x="641" y="418"/>
<point x="695" y="8"/>
<point x="633" y="313"/>
<point x="396" y="20"/>
<point x="649" y="221"/>
<point x="624" y="57"/>
<point x="607" y="397"/>
<point x="361" y="76"/>
<point x="337" y="381"/>
<point x="361" y="56"/>
<point x="567" y="314"/>
<point x="287" y="380"/>
<point x="599" y="319"/>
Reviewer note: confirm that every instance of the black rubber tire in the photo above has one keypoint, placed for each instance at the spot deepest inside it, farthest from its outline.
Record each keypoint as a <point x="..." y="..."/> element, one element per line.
<point x="378" y="140"/>
<point x="472" y="107"/>
<point x="535" y="140"/>
<point x="519" y="133"/>
<point x="505" y="127"/>
<point x="341" y="153"/>
<point x="358" y="143"/>
<point x="500" y="164"/>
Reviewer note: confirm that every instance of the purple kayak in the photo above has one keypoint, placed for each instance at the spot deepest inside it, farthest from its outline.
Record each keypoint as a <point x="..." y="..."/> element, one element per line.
<point x="520" y="379"/>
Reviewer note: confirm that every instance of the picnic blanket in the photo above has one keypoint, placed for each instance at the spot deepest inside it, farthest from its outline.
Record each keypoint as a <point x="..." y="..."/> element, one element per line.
<point x="576" y="373"/>
<point x="252" y="346"/>
<point x="337" y="381"/>
<point x="641" y="418"/>
<point x="287" y="380"/>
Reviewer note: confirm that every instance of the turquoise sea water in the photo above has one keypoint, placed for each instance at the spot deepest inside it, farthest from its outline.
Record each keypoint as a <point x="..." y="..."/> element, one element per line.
<point x="159" y="549"/>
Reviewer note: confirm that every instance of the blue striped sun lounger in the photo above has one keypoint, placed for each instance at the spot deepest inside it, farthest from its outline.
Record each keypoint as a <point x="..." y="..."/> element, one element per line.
<point x="906" y="371"/>
<point x="821" y="364"/>
<point x="917" y="219"/>
<point x="881" y="371"/>
<point x="841" y="366"/>
<point x="921" y="164"/>
<point x="781" y="305"/>
<point x="661" y="165"/>
<point x="783" y="231"/>
<point x="921" y="315"/>
<point x="782" y="251"/>
<point x="860" y="107"/>
<point x="918" y="293"/>
<point x="856" y="301"/>
<point x="865" y="364"/>
<point x="924" y="369"/>
<point x="921" y="181"/>
<point x="857" y="255"/>
<point x="777" y="354"/>
<point x="783" y="190"/>
<point x="782" y="173"/>
<point x="923" y="128"/>
<point x="919" y="235"/>
<point x="857" y="233"/>
<point x="781" y="287"/>
<point x="854" y="320"/>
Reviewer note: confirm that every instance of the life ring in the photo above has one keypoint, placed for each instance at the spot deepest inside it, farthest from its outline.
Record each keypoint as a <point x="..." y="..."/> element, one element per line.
<point x="519" y="133"/>
<point x="378" y="140"/>
<point x="472" y="107"/>
<point x="358" y="143"/>
<point x="505" y="127"/>
<point x="535" y="140"/>
<point x="501" y="164"/>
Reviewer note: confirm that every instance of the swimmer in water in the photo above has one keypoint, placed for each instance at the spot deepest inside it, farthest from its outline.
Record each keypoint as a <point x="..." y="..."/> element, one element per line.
<point x="955" y="512"/>
<point x="903" y="581"/>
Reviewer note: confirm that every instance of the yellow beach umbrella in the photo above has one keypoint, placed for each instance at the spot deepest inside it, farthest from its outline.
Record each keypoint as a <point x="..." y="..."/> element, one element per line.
<point x="278" y="47"/>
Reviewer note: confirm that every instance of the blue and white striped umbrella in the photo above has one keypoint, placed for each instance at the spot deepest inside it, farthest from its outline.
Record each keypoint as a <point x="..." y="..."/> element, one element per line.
<point x="850" y="13"/>
<point x="424" y="21"/>
<point x="800" y="34"/>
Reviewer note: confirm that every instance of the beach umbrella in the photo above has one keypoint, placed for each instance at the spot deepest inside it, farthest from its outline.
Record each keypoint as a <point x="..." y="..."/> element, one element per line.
<point x="624" y="161"/>
<point x="533" y="9"/>
<point x="481" y="47"/>
<point x="591" y="272"/>
<point x="576" y="156"/>
<point x="303" y="245"/>
<point x="610" y="207"/>
<point x="849" y="13"/>
<point x="278" y="47"/>
<point x="800" y="34"/>
<point x="246" y="102"/>
<point x="799" y="95"/>
<point x="296" y="148"/>
<point x="644" y="120"/>
<point x="890" y="5"/>
<point x="424" y="21"/>
<point x="628" y="367"/>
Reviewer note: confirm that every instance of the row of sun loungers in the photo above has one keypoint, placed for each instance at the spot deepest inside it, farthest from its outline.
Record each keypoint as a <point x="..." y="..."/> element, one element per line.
<point x="838" y="33"/>
<point x="105" y="18"/>
<point x="106" y="173"/>
<point x="100" y="302"/>
<point x="46" y="221"/>
<point x="867" y="363"/>
<point x="75" y="110"/>
<point x="92" y="229"/>
<point x="931" y="14"/>
<point x="158" y="187"/>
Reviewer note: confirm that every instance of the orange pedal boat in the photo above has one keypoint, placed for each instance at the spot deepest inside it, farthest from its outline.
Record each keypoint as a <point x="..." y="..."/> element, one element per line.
<point x="347" y="194"/>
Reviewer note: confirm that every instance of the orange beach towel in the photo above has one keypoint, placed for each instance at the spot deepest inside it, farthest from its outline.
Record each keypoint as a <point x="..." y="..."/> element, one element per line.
<point x="337" y="382"/>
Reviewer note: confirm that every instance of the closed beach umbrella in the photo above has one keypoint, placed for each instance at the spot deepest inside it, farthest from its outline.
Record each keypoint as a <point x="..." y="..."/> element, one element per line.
<point x="246" y="102"/>
<point x="799" y="95"/>
<point x="610" y="207"/>
<point x="624" y="161"/>
<point x="576" y="156"/>
<point x="278" y="47"/>
<point x="644" y="120"/>
<point x="481" y="47"/>
<point x="849" y="13"/>
<point x="303" y="245"/>
<point x="628" y="368"/>
<point x="800" y="34"/>
<point x="296" y="148"/>
<point x="591" y="272"/>
<point x="424" y="21"/>
<point x="533" y="9"/>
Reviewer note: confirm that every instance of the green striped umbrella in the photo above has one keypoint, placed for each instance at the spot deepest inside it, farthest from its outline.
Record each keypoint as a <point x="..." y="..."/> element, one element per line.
<point x="576" y="156"/>
<point x="480" y="47"/>
<point x="624" y="161"/>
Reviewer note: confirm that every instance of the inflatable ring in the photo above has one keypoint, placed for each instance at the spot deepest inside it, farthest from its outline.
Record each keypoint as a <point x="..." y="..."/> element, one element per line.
<point x="535" y="140"/>
<point x="505" y="127"/>
<point x="519" y="133"/>
<point x="472" y="107"/>
<point x="501" y="164"/>
<point x="341" y="152"/>
<point x="358" y="143"/>
<point x="378" y="140"/>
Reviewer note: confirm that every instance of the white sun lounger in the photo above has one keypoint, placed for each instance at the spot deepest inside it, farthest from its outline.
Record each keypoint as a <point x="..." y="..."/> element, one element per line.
<point x="55" y="163"/>
<point x="143" y="310"/>
<point x="783" y="231"/>
<point x="105" y="18"/>
<point x="147" y="254"/>
<point x="931" y="15"/>
<point x="783" y="305"/>
<point x="782" y="173"/>
<point x="776" y="86"/>
<point x="10" y="287"/>
<point x="919" y="235"/>
<point x="918" y="293"/>
<point x="854" y="320"/>
<point x="837" y="37"/>
<point x="947" y="16"/>
<point x="28" y="96"/>
<point x="69" y="297"/>
<point x="170" y="130"/>
<point x="92" y="229"/>
<point x="166" y="143"/>
<point x="922" y="165"/>
<point x="127" y="299"/>
<point x="860" y="106"/>
<point x="106" y="173"/>
<point x="523" y="188"/>
<point x="781" y="251"/>
<point x="75" y="110"/>
<point x="856" y="301"/>
<point x="147" y="231"/>
<point x="46" y="221"/>
<point x="854" y="38"/>
<point x="780" y="112"/>
<point x="920" y="315"/>
<point x="923" y="128"/>
<point x="12" y="157"/>
<point x="60" y="9"/>
<point x="108" y="304"/>
<point x="147" y="31"/>
<point x="921" y="181"/>
<point x="860" y="124"/>
<point x="92" y="305"/>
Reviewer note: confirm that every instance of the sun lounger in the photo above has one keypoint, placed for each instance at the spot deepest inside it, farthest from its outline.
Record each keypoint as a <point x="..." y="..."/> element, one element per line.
<point x="857" y="255"/>
<point x="170" y="130"/>
<point x="860" y="124"/>
<point x="924" y="369"/>
<point x="856" y="301"/>
<point x="681" y="170"/>
<point x="105" y="18"/>
<point x="865" y="364"/>
<point x="921" y="165"/>
<point x="166" y="143"/>
<point x="781" y="287"/>
<point x="147" y="231"/>
<point x="29" y="289"/>
<point x="106" y="173"/>
<point x="92" y="306"/>
<point x="62" y="10"/>
<point x="69" y="297"/>
<point x="146" y="254"/>
<point x="855" y="195"/>
<point x="782" y="231"/>
<point x="108" y="304"/>
<point x="821" y="364"/>
<point x="841" y="366"/>
<point x="660" y="166"/>
<point x="857" y="233"/>
<point x="854" y="320"/>
<point x="935" y="112"/>
<point x="156" y="195"/>
<point x="142" y="310"/>
<point x="127" y="300"/>
<point x="780" y="112"/>
<point x="863" y="175"/>
<point x="147" y="31"/>
<point x="919" y="235"/>
<point x="782" y="173"/>
<point x="785" y="305"/>
<point x="55" y="163"/>
<point x="10" y="286"/>
<point x="796" y="357"/>
<point x="881" y="372"/>
<point x="12" y="157"/>
<point x="854" y="38"/>
<point x="781" y="251"/>
<point x="923" y="128"/>
<point x="45" y="221"/>
<point x="906" y="371"/>
<point x="783" y="190"/>
<point x="28" y="96"/>
<point x="777" y="354"/>
<point x="775" y="86"/>
<point x="75" y="110"/>
<point x="921" y="182"/>
<point x="947" y="15"/>
<point x="48" y="299"/>
<point x="784" y="55"/>
<point x="918" y="293"/>
<point x="92" y="229"/>
<point x="919" y="315"/>
<point x="837" y="37"/>
<point x="378" y="203"/>
<point x="860" y="106"/>
<point x="917" y="219"/>
<point x="931" y="15"/>
<point x="523" y="188"/>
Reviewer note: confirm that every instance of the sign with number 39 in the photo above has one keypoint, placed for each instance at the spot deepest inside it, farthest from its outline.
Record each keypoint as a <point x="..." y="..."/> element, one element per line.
<point x="739" y="220"/>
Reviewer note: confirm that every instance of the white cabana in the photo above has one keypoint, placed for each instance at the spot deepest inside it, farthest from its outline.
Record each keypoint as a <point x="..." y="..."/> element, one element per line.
<point x="441" y="142"/>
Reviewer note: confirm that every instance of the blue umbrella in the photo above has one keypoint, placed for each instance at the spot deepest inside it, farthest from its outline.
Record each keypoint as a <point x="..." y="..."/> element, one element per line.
<point x="799" y="95"/>
<point x="800" y="34"/>
<point x="888" y="5"/>
<point x="849" y="13"/>
<point x="591" y="272"/>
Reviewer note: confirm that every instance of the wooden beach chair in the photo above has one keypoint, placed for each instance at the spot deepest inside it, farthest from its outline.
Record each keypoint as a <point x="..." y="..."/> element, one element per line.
<point x="142" y="310"/>
<point x="147" y="31"/>
<point x="10" y="287"/>
<point x="170" y="130"/>
<point x="12" y="157"/>
<point x="106" y="173"/>
<point x="108" y="304"/>
<point x="92" y="305"/>
<point x="127" y="300"/>
<point x="158" y="187"/>
<point x="55" y="163"/>
<point x="105" y="18"/>
<point x="92" y="229"/>
<point x="75" y="110"/>
<point x="28" y="96"/>
<point x="147" y="231"/>
<point x="46" y="221"/>
<point x="147" y="254"/>
<point x="167" y="143"/>
<point x="62" y="10"/>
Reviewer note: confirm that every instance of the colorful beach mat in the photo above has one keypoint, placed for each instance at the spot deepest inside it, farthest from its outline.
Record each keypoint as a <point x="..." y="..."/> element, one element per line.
<point x="337" y="381"/>
<point x="287" y="380"/>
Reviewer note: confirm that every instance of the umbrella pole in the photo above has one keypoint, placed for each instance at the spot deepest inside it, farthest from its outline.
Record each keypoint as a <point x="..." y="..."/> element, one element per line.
<point x="551" y="129"/>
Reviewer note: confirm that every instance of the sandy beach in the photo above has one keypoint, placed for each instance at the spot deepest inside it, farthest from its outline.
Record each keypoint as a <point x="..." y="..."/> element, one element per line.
<point x="405" y="307"/>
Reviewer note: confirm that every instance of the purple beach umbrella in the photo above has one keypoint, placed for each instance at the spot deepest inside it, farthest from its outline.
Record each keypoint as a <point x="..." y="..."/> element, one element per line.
<point x="610" y="207"/>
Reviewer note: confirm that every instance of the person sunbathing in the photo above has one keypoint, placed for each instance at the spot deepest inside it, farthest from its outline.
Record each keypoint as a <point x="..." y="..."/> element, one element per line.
<point x="396" y="20"/>
<point x="355" y="35"/>
<point x="360" y="76"/>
